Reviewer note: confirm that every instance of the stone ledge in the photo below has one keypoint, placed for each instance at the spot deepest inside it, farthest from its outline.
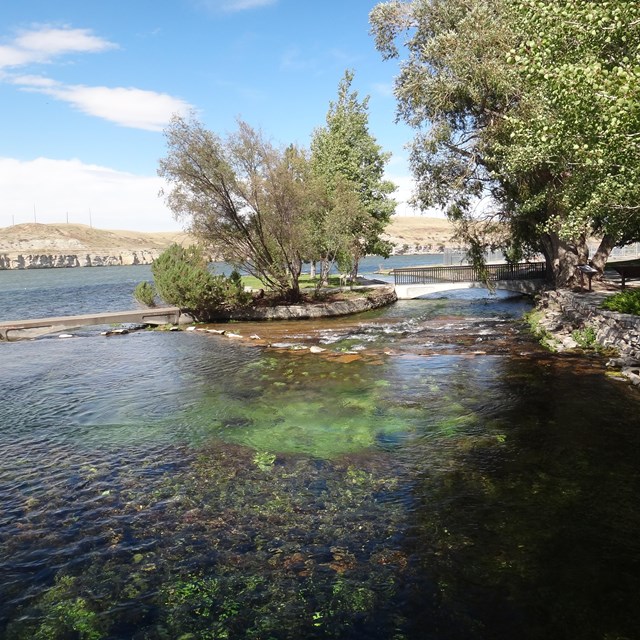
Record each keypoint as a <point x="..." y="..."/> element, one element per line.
<point x="371" y="299"/>
<point x="567" y="311"/>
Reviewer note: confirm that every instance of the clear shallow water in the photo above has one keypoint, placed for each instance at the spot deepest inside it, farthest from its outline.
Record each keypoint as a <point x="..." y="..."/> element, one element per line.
<point x="432" y="474"/>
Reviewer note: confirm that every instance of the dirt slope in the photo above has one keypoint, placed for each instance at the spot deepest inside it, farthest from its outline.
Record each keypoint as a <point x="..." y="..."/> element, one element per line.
<point x="424" y="232"/>
<point x="73" y="238"/>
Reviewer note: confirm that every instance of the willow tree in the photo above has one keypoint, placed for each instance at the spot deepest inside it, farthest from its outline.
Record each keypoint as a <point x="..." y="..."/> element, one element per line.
<point x="242" y="197"/>
<point x="350" y="163"/>
<point x="499" y="93"/>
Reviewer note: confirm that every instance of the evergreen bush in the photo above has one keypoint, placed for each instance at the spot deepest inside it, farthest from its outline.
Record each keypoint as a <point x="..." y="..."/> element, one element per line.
<point x="145" y="294"/>
<point x="183" y="279"/>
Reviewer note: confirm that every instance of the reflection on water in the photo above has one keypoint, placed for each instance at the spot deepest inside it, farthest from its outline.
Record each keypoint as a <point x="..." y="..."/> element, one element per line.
<point x="431" y="474"/>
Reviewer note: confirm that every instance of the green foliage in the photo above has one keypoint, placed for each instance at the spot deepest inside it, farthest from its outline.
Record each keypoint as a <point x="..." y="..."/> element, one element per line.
<point x="244" y="197"/>
<point x="349" y="164"/>
<point x="66" y="614"/>
<point x="624" y="302"/>
<point x="145" y="294"/>
<point x="586" y="337"/>
<point x="578" y="60"/>
<point x="182" y="278"/>
<point x="532" y="319"/>
<point x="534" y="104"/>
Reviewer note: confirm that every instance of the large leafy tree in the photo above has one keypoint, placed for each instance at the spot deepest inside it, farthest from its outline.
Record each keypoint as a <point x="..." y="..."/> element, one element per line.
<point x="350" y="164"/>
<point x="579" y="60"/>
<point x="243" y="197"/>
<point x="497" y="91"/>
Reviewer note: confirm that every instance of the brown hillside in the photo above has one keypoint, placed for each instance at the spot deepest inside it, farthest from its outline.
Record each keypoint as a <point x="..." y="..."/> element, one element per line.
<point x="73" y="238"/>
<point x="423" y="232"/>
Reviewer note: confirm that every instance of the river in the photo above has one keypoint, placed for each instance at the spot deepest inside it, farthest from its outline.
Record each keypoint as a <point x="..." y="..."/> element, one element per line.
<point x="431" y="474"/>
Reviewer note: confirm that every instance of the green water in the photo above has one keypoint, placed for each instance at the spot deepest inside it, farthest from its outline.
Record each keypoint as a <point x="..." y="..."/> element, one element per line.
<point x="431" y="474"/>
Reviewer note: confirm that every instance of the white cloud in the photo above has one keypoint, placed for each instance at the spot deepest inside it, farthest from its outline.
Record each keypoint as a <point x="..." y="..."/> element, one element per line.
<point x="44" y="43"/>
<point x="129" y="107"/>
<point x="34" y="82"/>
<point x="406" y="185"/>
<point x="232" y="6"/>
<point x="115" y="199"/>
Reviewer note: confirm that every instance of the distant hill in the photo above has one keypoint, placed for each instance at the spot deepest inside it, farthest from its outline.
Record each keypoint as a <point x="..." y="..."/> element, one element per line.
<point x="420" y="234"/>
<point x="73" y="238"/>
<point x="409" y="234"/>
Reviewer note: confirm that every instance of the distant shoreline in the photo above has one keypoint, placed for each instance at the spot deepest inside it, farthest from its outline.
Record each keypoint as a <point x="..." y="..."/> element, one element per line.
<point x="47" y="246"/>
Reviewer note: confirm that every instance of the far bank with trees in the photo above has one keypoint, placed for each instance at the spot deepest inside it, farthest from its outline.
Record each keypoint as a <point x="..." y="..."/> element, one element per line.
<point x="267" y="210"/>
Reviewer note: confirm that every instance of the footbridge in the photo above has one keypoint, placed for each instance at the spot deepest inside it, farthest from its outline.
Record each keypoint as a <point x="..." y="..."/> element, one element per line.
<point x="523" y="277"/>
<point x="25" y="329"/>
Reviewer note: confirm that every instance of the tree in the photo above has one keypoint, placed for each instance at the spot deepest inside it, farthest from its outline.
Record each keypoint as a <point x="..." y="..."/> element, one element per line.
<point x="182" y="278"/>
<point x="243" y="197"/>
<point x="349" y="162"/>
<point x="579" y="61"/>
<point x="501" y="108"/>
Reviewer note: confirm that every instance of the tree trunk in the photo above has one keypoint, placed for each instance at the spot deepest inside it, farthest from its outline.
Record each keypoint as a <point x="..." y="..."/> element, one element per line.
<point x="353" y="275"/>
<point x="601" y="255"/>
<point x="562" y="259"/>
<point x="294" y="295"/>
<point x="325" y="267"/>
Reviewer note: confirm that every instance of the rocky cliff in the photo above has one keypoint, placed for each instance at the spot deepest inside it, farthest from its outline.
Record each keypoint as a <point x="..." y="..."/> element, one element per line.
<point x="46" y="246"/>
<point x="61" y="260"/>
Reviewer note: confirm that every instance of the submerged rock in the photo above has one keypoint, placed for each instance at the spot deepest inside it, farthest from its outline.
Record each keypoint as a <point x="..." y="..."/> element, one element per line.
<point x="115" y="332"/>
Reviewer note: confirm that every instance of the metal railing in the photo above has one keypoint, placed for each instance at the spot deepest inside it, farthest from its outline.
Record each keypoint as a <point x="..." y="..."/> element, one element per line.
<point x="469" y="273"/>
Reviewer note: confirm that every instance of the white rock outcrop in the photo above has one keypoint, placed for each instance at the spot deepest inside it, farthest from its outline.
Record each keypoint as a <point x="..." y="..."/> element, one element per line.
<point x="64" y="260"/>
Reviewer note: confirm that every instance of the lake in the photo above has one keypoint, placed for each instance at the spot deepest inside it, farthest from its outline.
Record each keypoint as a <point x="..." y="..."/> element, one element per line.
<point x="432" y="474"/>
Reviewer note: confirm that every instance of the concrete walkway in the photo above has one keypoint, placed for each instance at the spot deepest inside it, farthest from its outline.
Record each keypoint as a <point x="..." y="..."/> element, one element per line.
<point x="25" y="329"/>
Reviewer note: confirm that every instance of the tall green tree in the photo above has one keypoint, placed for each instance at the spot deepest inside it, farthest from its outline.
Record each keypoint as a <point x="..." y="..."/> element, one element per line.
<point x="579" y="61"/>
<point x="500" y="95"/>
<point x="243" y="197"/>
<point x="347" y="159"/>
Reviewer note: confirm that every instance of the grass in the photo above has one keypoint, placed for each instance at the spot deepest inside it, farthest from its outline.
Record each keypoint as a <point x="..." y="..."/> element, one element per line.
<point x="585" y="338"/>
<point x="306" y="282"/>
<point x="533" y="319"/>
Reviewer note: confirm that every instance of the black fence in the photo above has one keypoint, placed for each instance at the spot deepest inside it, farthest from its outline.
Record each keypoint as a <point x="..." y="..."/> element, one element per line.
<point x="469" y="273"/>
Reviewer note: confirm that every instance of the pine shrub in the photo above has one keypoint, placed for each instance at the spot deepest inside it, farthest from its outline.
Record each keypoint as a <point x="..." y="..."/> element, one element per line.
<point x="183" y="279"/>
<point x="145" y="294"/>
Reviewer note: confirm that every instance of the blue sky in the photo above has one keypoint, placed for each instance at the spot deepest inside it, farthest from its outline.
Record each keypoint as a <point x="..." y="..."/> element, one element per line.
<point x="87" y="86"/>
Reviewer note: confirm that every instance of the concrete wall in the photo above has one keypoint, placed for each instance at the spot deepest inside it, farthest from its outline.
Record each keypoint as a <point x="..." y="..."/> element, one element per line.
<point x="372" y="298"/>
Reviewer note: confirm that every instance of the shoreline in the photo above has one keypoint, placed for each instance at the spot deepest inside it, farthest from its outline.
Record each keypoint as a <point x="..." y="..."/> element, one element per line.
<point x="372" y="297"/>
